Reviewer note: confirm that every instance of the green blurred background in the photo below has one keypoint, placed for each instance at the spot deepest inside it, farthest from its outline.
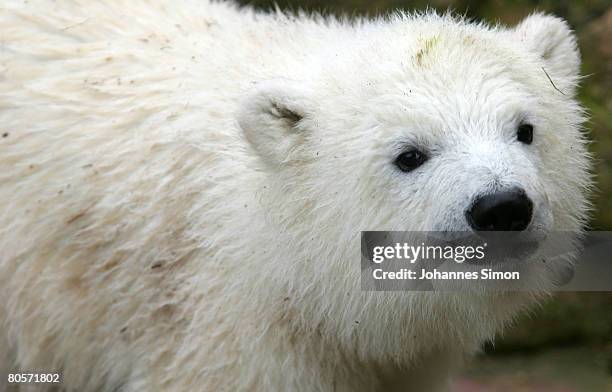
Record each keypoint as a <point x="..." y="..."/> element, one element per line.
<point x="566" y="345"/>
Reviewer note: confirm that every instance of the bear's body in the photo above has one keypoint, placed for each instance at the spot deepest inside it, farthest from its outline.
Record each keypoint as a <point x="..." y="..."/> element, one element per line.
<point x="183" y="186"/>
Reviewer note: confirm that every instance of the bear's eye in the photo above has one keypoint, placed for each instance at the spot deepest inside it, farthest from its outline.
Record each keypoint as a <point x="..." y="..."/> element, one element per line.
<point x="524" y="133"/>
<point x="410" y="160"/>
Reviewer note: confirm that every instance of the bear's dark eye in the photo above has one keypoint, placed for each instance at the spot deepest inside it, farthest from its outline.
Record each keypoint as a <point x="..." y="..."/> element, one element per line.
<point x="410" y="160"/>
<point x="524" y="134"/>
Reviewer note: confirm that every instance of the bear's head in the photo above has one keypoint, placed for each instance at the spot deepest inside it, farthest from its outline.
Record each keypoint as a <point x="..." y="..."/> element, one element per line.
<point x="424" y="123"/>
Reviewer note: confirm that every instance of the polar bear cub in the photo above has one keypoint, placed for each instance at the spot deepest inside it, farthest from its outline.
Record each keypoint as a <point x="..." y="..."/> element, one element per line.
<point x="184" y="184"/>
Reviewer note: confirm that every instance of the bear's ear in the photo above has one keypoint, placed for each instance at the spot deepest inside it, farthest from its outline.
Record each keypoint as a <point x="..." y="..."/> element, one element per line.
<point x="272" y="117"/>
<point x="553" y="40"/>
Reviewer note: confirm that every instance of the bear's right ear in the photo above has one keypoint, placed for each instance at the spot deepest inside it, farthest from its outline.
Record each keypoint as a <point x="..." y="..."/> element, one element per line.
<point x="272" y="120"/>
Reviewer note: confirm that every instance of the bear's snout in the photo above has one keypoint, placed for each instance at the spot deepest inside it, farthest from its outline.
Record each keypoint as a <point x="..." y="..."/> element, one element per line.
<point x="508" y="210"/>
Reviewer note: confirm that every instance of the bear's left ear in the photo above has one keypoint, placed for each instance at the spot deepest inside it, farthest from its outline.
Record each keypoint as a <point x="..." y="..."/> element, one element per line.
<point x="553" y="40"/>
<point x="272" y="117"/>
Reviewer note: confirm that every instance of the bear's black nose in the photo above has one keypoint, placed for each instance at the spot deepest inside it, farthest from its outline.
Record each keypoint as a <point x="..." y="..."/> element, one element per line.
<point x="508" y="210"/>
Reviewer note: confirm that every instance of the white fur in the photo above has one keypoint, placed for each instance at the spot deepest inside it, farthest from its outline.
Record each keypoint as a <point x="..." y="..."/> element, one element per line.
<point x="184" y="183"/>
